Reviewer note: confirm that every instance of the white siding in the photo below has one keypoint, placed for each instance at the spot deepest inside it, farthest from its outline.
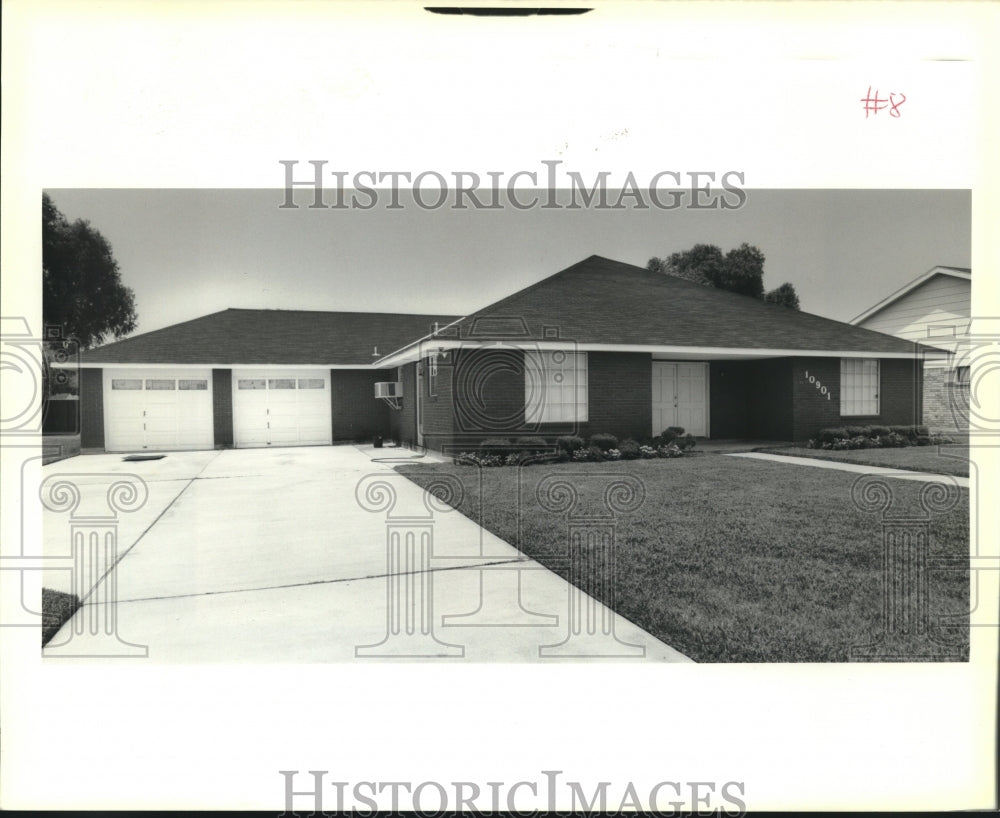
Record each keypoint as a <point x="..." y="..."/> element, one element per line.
<point x="935" y="312"/>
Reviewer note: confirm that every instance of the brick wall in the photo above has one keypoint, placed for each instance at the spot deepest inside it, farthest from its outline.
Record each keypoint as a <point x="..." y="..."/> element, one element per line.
<point x="355" y="412"/>
<point x="944" y="401"/>
<point x="222" y="407"/>
<point x="403" y="422"/>
<point x="437" y="413"/>
<point x="92" y="409"/>
<point x="620" y="394"/>
<point x="899" y="395"/>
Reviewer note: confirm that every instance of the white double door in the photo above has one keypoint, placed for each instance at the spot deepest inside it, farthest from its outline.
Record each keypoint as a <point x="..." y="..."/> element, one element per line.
<point x="281" y="408"/>
<point x="680" y="397"/>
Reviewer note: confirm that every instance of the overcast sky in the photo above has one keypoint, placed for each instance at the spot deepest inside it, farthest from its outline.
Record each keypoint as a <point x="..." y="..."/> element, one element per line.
<point x="188" y="253"/>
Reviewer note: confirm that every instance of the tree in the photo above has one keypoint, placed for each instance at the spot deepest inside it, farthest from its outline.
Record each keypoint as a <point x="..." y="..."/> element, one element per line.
<point x="741" y="270"/>
<point x="82" y="290"/>
<point x="784" y="295"/>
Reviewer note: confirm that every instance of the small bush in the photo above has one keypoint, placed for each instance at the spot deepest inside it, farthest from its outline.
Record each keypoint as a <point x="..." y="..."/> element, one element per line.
<point x="531" y="443"/>
<point x="686" y="443"/>
<point x="880" y="431"/>
<point x="832" y="434"/>
<point x="647" y="452"/>
<point x="495" y="445"/>
<point x="629" y="449"/>
<point x="668" y="436"/>
<point x="569" y="443"/>
<point x="603" y="442"/>
<point x="613" y="454"/>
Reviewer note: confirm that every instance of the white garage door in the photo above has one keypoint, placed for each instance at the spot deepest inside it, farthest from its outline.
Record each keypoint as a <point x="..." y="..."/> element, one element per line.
<point x="281" y="408"/>
<point x="156" y="409"/>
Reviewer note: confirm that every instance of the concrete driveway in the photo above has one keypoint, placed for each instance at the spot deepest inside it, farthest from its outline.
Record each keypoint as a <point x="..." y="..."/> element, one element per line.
<point x="301" y="555"/>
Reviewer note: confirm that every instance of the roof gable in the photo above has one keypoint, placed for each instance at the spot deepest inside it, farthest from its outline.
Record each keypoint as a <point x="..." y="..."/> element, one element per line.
<point x="963" y="273"/>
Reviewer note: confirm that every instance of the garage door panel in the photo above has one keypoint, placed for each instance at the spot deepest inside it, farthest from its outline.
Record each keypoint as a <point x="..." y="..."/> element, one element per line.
<point x="281" y="408"/>
<point x="147" y="410"/>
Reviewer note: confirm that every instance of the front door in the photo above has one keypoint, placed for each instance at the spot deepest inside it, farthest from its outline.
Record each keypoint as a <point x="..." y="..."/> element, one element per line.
<point x="680" y="397"/>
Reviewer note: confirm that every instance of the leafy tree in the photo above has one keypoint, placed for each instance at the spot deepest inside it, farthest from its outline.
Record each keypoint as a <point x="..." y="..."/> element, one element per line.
<point x="784" y="295"/>
<point x="82" y="290"/>
<point x="741" y="270"/>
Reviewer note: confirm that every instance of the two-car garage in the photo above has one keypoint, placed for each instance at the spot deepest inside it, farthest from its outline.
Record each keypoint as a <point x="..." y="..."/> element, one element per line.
<point x="154" y="409"/>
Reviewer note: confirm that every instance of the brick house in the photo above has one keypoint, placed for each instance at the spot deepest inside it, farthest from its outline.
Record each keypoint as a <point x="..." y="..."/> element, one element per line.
<point x="601" y="346"/>
<point x="935" y="308"/>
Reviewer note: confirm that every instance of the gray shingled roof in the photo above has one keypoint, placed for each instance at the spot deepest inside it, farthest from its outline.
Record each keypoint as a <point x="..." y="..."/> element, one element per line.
<point x="601" y="301"/>
<point x="596" y="301"/>
<point x="271" y="337"/>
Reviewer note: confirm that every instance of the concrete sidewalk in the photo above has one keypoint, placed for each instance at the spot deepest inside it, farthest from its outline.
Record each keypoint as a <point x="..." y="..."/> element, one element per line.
<point x="856" y="468"/>
<point x="280" y="555"/>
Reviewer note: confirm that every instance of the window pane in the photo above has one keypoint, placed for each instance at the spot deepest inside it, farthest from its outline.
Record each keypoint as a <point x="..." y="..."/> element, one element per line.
<point x="311" y="383"/>
<point x="555" y="386"/>
<point x="281" y="383"/>
<point x="126" y="383"/>
<point x="859" y="383"/>
<point x="193" y="384"/>
<point x="161" y="383"/>
<point x="251" y="383"/>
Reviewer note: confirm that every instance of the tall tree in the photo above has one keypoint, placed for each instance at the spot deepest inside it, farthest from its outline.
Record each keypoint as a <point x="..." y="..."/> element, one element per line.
<point x="82" y="289"/>
<point x="741" y="270"/>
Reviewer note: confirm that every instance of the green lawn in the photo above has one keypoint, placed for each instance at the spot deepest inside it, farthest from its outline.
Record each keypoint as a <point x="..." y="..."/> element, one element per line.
<point x="728" y="559"/>
<point x="952" y="459"/>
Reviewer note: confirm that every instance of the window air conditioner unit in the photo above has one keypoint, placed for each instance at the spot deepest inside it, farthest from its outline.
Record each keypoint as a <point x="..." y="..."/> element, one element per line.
<point x="389" y="389"/>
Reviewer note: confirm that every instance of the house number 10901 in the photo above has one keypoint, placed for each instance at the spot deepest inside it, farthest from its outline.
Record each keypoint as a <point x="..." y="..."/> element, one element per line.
<point x="822" y="389"/>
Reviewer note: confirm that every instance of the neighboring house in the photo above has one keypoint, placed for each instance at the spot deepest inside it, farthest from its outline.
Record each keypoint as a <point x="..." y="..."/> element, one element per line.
<point x="935" y="308"/>
<point x="601" y="346"/>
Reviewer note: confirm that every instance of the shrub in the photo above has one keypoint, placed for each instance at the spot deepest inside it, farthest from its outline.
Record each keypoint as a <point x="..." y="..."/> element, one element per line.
<point x="581" y="455"/>
<point x="832" y="434"/>
<point x="495" y="445"/>
<point x="647" y="452"/>
<point x="880" y="431"/>
<point x="531" y="443"/>
<point x="595" y="453"/>
<point x="685" y="443"/>
<point x="670" y="450"/>
<point x="667" y="436"/>
<point x="603" y="442"/>
<point x="629" y="449"/>
<point x="613" y="454"/>
<point x="569" y="443"/>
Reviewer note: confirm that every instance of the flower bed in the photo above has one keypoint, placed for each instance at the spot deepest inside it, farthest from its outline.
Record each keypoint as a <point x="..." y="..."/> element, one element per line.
<point x="599" y="448"/>
<point x="874" y="437"/>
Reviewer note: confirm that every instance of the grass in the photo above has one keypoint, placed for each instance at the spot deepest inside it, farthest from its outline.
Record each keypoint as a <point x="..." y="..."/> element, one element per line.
<point x="732" y="560"/>
<point x="57" y="608"/>
<point x="952" y="459"/>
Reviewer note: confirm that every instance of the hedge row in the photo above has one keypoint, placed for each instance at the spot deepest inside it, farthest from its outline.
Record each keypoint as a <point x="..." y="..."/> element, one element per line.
<point x="598" y="448"/>
<point x="874" y="437"/>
